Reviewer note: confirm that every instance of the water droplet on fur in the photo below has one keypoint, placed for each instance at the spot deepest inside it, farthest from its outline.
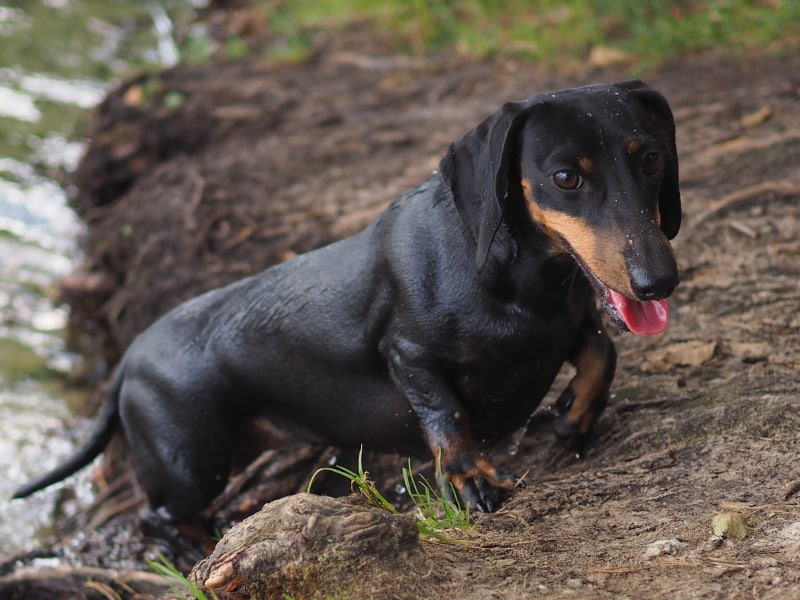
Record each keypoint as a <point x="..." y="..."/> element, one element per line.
<point x="515" y="439"/>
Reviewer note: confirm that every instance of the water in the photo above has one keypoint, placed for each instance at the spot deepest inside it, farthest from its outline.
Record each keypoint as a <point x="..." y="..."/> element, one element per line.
<point x="57" y="58"/>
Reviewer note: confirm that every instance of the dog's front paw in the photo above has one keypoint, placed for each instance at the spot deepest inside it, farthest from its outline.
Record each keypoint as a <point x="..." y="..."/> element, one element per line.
<point x="577" y="416"/>
<point x="570" y="437"/>
<point x="481" y="486"/>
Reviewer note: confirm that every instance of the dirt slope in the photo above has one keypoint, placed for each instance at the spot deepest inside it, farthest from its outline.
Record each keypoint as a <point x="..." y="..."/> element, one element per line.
<point x="257" y="164"/>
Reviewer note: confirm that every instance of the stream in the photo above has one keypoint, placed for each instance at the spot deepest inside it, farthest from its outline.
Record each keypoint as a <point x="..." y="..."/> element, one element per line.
<point x="57" y="59"/>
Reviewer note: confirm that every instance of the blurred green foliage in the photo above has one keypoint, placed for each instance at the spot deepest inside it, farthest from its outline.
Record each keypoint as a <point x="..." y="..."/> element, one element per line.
<point x="648" y="31"/>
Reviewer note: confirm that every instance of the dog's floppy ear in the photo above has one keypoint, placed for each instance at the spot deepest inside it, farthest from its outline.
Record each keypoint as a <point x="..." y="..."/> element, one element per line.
<point x="475" y="169"/>
<point x="669" y="201"/>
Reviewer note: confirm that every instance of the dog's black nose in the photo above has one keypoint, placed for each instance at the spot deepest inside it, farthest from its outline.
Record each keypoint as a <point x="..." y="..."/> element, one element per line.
<point x="649" y="284"/>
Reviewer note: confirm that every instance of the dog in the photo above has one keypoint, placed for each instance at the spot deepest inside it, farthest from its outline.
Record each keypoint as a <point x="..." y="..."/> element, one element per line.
<point x="439" y="328"/>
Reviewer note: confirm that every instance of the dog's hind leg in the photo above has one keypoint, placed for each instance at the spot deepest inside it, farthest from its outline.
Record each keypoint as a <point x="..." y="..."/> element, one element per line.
<point x="181" y="438"/>
<point x="181" y="471"/>
<point x="184" y="473"/>
<point x="583" y="401"/>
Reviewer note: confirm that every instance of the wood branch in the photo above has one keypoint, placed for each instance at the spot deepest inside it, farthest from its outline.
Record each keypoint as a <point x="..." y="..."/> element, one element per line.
<point x="82" y="583"/>
<point x="785" y="187"/>
<point x="303" y="544"/>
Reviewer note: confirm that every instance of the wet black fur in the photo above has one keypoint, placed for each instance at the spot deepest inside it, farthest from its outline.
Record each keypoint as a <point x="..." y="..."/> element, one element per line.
<point x="442" y="324"/>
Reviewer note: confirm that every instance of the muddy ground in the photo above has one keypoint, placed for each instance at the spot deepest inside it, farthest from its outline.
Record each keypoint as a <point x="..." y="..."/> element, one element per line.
<point x="201" y="175"/>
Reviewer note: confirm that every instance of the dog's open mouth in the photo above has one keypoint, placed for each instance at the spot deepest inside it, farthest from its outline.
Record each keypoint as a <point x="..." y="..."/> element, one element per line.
<point x="647" y="317"/>
<point x="642" y="317"/>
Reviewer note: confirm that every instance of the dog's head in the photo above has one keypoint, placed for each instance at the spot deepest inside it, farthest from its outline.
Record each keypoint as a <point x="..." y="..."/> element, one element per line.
<point x="597" y="169"/>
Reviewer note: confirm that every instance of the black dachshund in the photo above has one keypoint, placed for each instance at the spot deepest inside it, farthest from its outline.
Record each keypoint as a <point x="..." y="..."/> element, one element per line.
<point x="441" y="326"/>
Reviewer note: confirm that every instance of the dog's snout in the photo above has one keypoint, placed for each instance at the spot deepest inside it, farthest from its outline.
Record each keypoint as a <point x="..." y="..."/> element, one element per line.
<point x="652" y="269"/>
<point x="649" y="284"/>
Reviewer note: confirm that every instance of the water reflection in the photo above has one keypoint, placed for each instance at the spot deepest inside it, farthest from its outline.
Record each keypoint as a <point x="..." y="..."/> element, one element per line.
<point x="57" y="59"/>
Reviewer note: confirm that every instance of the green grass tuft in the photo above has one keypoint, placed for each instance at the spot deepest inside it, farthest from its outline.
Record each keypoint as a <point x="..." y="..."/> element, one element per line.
<point x="557" y="32"/>
<point x="434" y="510"/>
<point x="360" y="482"/>
<point x="175" y="579"/>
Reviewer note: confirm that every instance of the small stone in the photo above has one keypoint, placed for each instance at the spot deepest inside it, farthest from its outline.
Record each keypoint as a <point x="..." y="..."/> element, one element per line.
<point x="663" y="548"/>
<point x="791" y="532"/>
<point x="729" y="525"/>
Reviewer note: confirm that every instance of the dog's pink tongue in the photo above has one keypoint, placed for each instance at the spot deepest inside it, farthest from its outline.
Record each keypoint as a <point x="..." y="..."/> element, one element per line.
<point x="642" y="318"/>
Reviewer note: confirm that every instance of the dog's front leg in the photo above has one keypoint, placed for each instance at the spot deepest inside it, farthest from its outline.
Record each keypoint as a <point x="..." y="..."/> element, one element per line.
<point x="445" y="424"/>
<point x="586" y="396"/>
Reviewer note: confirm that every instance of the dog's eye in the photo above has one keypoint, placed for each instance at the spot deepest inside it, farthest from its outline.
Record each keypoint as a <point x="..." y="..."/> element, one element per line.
<point x="651" y="163"/>
<point x="567" y="179"/>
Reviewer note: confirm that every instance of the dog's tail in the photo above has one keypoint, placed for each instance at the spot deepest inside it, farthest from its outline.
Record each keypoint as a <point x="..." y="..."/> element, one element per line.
<point x="105" y="427"/>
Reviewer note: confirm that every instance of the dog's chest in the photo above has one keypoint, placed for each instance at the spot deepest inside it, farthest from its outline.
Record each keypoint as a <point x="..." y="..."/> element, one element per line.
<point x="505" y="360"/>
<point x="501" y="397"/>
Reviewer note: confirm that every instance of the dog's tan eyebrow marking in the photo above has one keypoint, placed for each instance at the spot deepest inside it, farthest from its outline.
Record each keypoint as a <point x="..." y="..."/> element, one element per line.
<point x="632" y="146"/>
<point x="586" y="164"/>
